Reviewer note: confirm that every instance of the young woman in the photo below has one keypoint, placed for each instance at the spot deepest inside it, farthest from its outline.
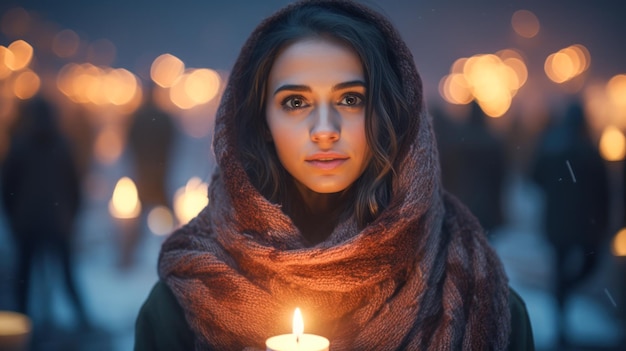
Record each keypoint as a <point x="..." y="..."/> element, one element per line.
<point x="327" y="197"/>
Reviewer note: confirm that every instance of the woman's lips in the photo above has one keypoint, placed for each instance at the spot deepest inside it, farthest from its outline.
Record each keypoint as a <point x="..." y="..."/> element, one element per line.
<point x="327" y="160"/>
<point x="327" y="165"/>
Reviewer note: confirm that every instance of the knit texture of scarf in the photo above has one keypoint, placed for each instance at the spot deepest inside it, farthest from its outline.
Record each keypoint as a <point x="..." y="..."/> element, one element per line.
<point x="421" y="276"/>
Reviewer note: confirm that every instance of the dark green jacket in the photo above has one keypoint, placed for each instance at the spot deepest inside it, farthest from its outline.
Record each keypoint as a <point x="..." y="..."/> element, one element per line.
<point x="161" y="324"/>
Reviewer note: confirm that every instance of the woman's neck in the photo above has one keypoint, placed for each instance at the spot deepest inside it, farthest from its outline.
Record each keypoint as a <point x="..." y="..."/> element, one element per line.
<point x="315" y="214"/>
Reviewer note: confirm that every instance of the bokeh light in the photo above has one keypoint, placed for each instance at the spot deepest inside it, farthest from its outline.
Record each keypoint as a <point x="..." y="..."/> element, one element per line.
<point x="619" y="243"/>
<point x="5" y="56"/>
<point x="125" y="202"/>
<point x="612" y="144"/>
<point x="166" y="69"/>
<point x="87" y="83"/>
<point x="190" y="200"/>
<point x="119" y="86"/>
<point x="90" y="83"/>
<point x="567" y="63"/>
<point x="26" y="84"/>
<point x="202" y="85"/>
<point x="160" y="220"/>
<point x="616" y="90"/>
<point x="490" y="79"/>
<point x="179" y="95"/>
<point x="22" y="55"/>
<point x="525" y="23"/>
<point x="455" y="89"/>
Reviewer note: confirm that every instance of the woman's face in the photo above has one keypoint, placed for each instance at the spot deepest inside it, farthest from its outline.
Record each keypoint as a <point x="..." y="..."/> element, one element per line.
<point x="315" y="111"/>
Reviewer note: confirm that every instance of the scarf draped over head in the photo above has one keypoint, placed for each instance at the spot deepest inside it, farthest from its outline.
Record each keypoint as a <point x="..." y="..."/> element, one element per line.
<point x="421" y="276"/>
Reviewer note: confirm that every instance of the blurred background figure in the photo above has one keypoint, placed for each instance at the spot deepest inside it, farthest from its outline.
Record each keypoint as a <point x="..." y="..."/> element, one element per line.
<point x="150" y="142"/>
<point x="473" y="165"/>
<point x="41" y="197"/>
<point x="573" y="178"/>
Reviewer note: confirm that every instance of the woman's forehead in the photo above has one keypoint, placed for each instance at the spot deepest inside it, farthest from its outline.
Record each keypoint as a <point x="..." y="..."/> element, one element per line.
<point x="313" y="58"/>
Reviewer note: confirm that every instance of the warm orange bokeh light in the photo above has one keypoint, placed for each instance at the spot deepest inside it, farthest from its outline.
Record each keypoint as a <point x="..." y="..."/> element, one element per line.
<point x="87" y="83"/>
<point x="559" y="67"/>
<point x="583" y="55"/>
<point x="22" y="55"/>
<point x="5" y="55"/>
<point x="190" y="200"/>
<point x="125" y="202"/>
<point x="619" y="243"/>
<point x="160" y="220"/>
<point x="26" y="85"/>
<point x="576" y="59"/>
<point x="455" y="89"/>
<point x="616" y="90"/>
<point x="525" y="23"/>
<point x="178" y="93"/>
<point x="120" y="86"/>
<point x="519" y="68"/>
<point x="567" y="63"/>
<point x="457" y="66"/>
<point x="90" y="83"/>
<point x="490" y="79"/>
<point x="166" y="69"/>
<point x="202" y="85"/>
<point x="497" y="104"/>
<point x="612" y="144"/>
<point x="64" y="79"/>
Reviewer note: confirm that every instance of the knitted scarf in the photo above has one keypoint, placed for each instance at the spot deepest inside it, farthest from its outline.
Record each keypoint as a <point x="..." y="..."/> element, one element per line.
<point x="421" y="276"/>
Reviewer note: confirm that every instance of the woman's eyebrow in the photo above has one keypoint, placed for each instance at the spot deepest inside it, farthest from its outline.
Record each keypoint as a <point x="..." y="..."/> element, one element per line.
<point x="350" y="84"/>
<point x="305" y="88"/>
<point x="292" y="87"/>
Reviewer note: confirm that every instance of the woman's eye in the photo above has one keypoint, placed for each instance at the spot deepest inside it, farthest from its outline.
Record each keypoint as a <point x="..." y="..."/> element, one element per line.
<point x="351" y="100"/>
<point x="293" y="102"/>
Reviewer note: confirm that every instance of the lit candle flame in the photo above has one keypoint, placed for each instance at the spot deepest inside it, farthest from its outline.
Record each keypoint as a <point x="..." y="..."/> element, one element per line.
<point x="298" y="324"/>
<point x="297" y="340"/>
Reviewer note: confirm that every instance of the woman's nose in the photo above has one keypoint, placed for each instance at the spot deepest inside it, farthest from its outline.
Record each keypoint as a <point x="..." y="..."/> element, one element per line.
<point x="326" y="125"/>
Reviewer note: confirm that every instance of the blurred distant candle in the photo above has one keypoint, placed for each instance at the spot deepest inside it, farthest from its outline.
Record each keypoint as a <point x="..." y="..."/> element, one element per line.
<point x="125" y="200"/>
<point x="297" y="341"/>
<point x="15" y="331"/>
<point x="125" y="208"/>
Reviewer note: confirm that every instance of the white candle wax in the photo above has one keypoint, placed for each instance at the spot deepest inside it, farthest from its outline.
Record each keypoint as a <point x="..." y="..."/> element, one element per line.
<point x="288" y="342"/>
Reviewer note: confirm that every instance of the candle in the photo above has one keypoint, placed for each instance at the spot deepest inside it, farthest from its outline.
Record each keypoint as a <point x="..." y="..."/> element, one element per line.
<point x="15" y="331"/>
<point x="297" y="341"/>
<point x="125" y="202"/>
<point x="125" y="208"/>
